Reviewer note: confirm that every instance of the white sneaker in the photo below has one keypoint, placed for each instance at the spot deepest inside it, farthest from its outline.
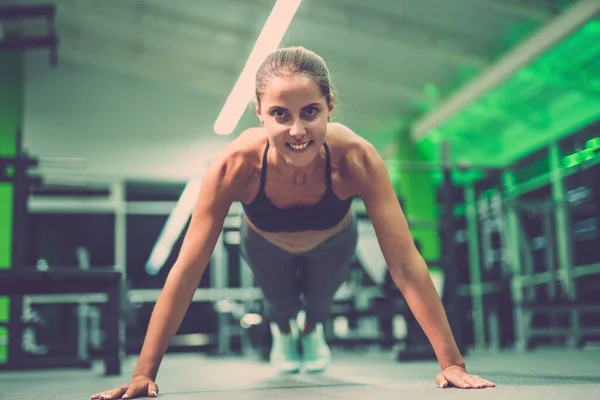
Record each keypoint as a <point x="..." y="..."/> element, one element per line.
<point x="316" y="354"/>
<point x="284" y="350"/>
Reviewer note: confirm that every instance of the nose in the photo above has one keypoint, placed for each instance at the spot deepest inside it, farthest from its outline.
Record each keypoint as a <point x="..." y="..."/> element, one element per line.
<point x="298" y="131"/>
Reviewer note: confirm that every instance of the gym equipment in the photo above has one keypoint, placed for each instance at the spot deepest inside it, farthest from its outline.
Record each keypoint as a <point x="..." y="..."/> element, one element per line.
<point x="452" y="302"/>
<point x="563" y="299"/>
<point x="542" y="277"/>
<point x="22" y="281"/>
<point x="15" y="172"/>
<point x="360" y="311"/>
<point x="14" y="169"/>
<point x="496" y="266"/>
<point x="31" y="321"/>
<point x="16" y="41"/>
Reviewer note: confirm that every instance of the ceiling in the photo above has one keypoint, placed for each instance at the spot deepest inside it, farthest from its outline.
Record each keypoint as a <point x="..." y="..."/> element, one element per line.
<point x="392" y="61"/>
<point x="554" y="95"/>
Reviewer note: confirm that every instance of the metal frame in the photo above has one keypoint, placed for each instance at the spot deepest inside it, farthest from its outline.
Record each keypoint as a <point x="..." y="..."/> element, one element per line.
<point x="200" y="295"/>
<point x="22" y="282"/>
<point x="524" y="279"/>
<point x="474" y="268"/>
<point x="537" y="182"/>
<point x="17" y="42"/>
<point x="561" y="217"/>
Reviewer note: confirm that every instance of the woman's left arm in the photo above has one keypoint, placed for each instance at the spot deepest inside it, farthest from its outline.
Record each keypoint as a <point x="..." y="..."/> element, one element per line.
<point x="406" y="265"/>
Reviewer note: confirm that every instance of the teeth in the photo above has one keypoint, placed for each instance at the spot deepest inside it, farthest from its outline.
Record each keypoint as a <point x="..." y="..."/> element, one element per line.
<point x="299" y="147"/>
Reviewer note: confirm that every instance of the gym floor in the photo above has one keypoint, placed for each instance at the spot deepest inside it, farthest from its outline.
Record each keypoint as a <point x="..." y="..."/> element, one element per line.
<point x="544" y="373"/>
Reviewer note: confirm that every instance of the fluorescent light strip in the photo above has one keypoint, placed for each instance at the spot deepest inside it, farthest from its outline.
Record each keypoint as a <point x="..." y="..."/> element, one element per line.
<point x="269" y="39"/>
<point x="173" y="227"/>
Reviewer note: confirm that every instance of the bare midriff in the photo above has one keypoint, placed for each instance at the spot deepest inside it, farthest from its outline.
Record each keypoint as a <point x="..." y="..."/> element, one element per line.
<point x="300" y="242"/>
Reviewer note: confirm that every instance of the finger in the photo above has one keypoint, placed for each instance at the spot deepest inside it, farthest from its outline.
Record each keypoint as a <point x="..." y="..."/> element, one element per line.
<point x="101" y="396"/>
<point x="441" y="381"/>
<point x="472" y="381"/>
<point x="115" y="393"/>
<point x="477" y="383"/>
<point x="439" y="378"/>
<point x="480" y="383"/>
<point x="152" y="390"/>
<point x="458" y="381"/>
<point x="133" y="391"/>
<point x="488" y="383"/>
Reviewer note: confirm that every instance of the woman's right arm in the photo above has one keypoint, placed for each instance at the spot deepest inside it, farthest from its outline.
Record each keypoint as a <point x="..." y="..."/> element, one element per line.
<point x="218" y="191"/>
<point x="220" y="187"/>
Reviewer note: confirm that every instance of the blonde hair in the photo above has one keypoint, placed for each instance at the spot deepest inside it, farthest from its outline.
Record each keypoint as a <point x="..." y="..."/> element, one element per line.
<point x="294" y="60"/>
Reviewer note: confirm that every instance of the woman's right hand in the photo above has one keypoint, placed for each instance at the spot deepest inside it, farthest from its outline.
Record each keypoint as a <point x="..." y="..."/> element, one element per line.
<point x="138" y="387"/>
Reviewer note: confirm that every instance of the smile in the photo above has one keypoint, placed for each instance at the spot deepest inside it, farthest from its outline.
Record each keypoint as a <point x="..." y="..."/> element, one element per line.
<point x="299" y="147"/>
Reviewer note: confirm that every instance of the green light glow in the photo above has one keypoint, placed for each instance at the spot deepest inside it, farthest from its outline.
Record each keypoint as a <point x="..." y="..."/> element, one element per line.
<point x="11" y="117"/>
<point x="4" y="308"/>
<point x="3" y="346"/>
<point x="417" y="192"/>
<point x="591" y="147"/>
<point x="593" y="144"/>
<point x="546" y="100"/>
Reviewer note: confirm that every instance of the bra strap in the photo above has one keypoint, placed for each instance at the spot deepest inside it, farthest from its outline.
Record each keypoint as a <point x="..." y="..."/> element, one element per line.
<point x="263" y="170"/>
<point x="328" y="166"/>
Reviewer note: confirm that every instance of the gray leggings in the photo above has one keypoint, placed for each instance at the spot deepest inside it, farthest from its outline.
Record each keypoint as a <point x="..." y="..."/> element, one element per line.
<point x="291" y="282"/>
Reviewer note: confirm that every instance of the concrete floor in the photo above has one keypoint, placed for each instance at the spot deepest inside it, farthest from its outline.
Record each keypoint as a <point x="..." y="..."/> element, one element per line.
<point x="544" y="374"/>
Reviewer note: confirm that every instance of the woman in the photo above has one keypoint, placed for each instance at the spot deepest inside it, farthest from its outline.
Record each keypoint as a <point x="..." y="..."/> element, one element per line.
<point x="296" y="176"/>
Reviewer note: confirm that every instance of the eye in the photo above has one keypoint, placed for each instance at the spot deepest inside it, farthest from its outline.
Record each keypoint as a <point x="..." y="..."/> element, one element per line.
<point x="278" y="114"/>
<point x="311" y="112"/>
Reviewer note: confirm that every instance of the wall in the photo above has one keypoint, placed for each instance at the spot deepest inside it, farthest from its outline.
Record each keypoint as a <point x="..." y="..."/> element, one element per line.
<point x="122" y="125"/>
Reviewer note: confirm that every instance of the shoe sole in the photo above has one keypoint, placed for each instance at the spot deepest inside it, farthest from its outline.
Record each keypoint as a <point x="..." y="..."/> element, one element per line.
<point x="316" y="366"/>
<point x="287" y="369"/>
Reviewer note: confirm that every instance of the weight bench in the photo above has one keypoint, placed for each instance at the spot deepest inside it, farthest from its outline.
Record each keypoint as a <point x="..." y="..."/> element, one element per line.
<point x="29" y="281"/>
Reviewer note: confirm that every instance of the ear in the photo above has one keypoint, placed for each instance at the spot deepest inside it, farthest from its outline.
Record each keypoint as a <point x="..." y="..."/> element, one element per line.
<point x="258" y="114"/>
<point x="330" y="107"/>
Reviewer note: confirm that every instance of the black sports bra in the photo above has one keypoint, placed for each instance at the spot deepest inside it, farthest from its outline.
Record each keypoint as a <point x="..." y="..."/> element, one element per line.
<point x="327" y="213"/>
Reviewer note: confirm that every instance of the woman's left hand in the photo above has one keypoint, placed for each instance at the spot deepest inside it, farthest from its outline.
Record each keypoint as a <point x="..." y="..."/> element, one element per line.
<point x="458" y="377"/>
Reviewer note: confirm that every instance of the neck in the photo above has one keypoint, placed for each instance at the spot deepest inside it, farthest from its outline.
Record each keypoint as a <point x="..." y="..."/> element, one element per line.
<point x="299" y="174"/>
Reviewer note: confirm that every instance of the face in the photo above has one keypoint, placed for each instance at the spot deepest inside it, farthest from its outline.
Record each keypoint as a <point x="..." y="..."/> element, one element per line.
<point x="295" y="115"/>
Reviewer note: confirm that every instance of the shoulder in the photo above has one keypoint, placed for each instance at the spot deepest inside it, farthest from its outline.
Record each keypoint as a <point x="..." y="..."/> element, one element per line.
<point x="359" y="160"/>
<point x="343" y="140"/>
<point x="237" y="162"/>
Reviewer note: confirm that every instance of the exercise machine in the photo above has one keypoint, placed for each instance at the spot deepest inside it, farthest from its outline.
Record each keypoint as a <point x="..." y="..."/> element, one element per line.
<point x="21" y="280"/>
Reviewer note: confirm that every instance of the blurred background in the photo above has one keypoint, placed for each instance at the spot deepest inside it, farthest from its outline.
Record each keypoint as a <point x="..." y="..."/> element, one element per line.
<point x="487" y="113"/>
